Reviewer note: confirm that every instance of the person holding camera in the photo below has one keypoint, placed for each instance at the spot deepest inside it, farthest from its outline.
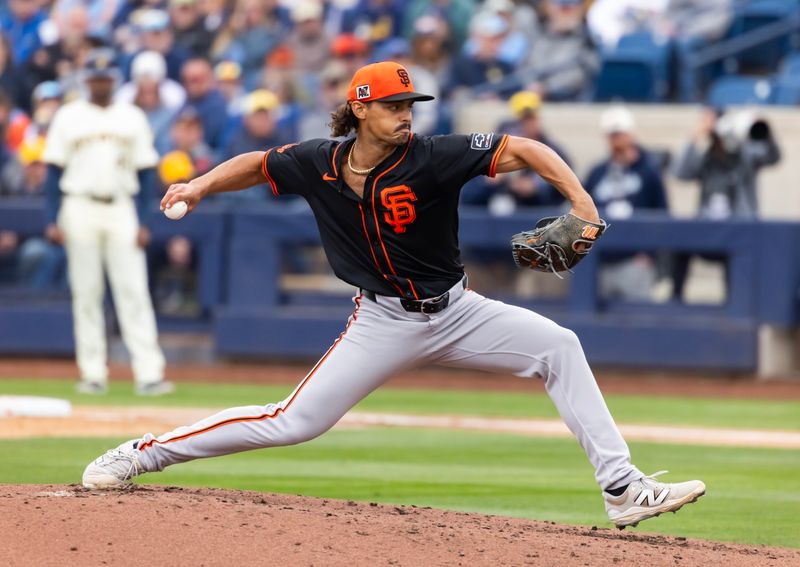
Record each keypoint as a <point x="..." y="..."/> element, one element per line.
<point x="725" y="156"/>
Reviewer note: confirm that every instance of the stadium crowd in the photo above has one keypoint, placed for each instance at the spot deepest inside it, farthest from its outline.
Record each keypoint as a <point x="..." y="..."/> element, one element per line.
<point x="220" y="77"/>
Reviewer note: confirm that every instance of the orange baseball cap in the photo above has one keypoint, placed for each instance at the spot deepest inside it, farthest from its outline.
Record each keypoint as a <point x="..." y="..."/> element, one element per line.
<point x="386" y="81"/>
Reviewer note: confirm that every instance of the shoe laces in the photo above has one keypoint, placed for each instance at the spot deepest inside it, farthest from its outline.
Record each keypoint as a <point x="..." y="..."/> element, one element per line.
<point x="650" y="479"/>
<point x="118" y="456"/>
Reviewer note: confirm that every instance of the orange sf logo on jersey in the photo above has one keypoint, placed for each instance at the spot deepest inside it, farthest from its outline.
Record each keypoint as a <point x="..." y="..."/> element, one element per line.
<point x="401" y="211"/>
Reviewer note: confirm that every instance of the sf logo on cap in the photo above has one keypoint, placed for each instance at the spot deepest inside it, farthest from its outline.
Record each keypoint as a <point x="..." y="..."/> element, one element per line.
<point x="362" y="92"/>
<point x="404" y="78"/>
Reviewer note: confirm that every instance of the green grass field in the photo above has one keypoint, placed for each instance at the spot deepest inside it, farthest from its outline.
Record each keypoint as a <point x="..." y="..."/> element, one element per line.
<point x="753" y="494"/>
<point x="661" y="410"/>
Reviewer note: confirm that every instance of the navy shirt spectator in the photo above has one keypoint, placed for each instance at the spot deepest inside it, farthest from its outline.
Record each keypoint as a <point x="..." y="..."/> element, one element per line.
<point x="375" y="20"/>
<point x="203" y="96"/>
<point x="629" y="179"/>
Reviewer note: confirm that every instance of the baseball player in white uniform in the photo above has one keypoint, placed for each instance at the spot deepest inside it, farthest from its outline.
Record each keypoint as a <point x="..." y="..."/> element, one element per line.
<point x="100" y="158"/>
<point x="386" y="203"/>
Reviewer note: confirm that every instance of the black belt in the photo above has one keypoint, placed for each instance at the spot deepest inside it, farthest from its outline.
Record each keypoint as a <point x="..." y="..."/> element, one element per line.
<point x="101" y="199"/>
<point x="426" y="306"/>
<point x="106" y="200"/>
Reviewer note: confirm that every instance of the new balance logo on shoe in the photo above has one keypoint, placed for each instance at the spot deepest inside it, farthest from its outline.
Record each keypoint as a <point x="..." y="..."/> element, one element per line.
<point x="647" y="497"/>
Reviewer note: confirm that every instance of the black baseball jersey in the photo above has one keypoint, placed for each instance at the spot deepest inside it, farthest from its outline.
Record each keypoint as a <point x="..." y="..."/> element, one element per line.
<point x="401" y="238"/>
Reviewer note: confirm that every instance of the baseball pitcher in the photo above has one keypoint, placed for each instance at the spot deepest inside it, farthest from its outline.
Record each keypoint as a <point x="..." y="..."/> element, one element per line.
<point x="100" y="158"/>
<point x="386" y="203"/>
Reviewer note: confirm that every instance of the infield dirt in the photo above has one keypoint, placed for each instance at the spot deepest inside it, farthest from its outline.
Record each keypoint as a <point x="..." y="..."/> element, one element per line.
<point x="67" y="525"/>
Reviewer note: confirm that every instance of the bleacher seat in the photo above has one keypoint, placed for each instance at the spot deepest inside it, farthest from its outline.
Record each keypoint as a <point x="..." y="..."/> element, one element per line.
<point x="786" y="90"/>
<point x="755" y="14"/>
<point x="737" y="89"/>
<point x="790" y="66"/>
<point x="636" y="70"/>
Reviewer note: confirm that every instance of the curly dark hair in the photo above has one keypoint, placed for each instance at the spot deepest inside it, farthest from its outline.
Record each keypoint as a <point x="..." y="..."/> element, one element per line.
<point x="343" y="121"/>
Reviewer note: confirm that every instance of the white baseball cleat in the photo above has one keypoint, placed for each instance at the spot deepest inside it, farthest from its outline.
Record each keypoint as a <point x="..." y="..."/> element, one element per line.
<point x="115" y="468"/>
<point x="159" y="388"/>
<point x="646" y="498"/>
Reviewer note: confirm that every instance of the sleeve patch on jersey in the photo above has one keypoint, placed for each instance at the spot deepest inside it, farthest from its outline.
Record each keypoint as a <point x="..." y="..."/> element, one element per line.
<point x="481" y="141"/>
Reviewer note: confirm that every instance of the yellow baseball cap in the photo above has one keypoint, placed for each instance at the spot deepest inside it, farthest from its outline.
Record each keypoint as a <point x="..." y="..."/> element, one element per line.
<point x="228" y="71"/>
<point x="175" y="167"/>
<point x="31" y="150"/>
<point x="260" y="99"/>
<point x="524" y="102"/>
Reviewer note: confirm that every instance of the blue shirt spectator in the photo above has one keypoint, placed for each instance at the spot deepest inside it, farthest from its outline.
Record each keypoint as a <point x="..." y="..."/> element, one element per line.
<point x="202" y="95"/>
<point x="20" y="24"/>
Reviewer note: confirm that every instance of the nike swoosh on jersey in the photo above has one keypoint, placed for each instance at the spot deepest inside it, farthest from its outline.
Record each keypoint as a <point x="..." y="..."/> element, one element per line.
<point x="326" y="177"/>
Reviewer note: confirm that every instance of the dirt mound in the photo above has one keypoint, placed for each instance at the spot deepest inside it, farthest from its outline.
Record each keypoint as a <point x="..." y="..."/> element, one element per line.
<point x="147" y="525"/>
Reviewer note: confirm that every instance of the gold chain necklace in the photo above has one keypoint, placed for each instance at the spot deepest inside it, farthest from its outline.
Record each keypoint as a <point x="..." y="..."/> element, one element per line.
<point x="353" y="169"/>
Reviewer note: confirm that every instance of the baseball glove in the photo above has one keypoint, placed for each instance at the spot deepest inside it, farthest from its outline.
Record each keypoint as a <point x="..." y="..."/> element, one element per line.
<point x="556" y="244"/>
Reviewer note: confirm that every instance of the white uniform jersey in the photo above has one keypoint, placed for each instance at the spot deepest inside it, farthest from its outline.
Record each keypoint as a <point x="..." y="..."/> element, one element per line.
<point x="100" y="148"/>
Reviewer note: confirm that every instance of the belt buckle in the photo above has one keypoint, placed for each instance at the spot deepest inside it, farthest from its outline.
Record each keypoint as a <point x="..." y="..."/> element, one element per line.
<point x="433" y="302"/>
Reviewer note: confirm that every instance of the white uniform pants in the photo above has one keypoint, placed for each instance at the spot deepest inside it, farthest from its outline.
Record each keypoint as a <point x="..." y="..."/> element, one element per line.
<point x="101" y="238"/>
<point x="380" y="340"/>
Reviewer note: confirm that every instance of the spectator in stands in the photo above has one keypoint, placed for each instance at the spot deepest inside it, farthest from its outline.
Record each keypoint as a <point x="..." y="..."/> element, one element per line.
<point x="197" y="78"/>
<point x="33" y="262"/>
<point x="8" y="164"/>
<point x="376" y="21"/>
<point x="516" y="43"/>
<point x="149" y="70"/>
<point x="186" y="135"/>
<point x="332" y="93"/>
<point x="351" y="50"/>
<point x="257" y="131"/>
<point x="279" y="76"/>
<point x="255" y="28"/>
<point x="59" y="59"/>
<point x="175" y="281"/>
<point x="506" y="192"/>
<point x="456" y="13"/>
<point x="46" y="100"/>
<point x="189" y="28"/>
<point x="156" y="35"/>
<point x="625" y="183"/>
<point x="309" y="42"/>
<point x="229" y="75"/>
<point x="148" y="97"/>
<point x="426" y="116"/>
<point x="562" y="55"/>
<point x="708" y="20"/>
<point x="431" y="49"/>
<point x="175" y="167"/>
<point x="725" y="157"/>
<point x="216" y="14"/>
<point x="11" y="80"/>
<point x="609" y="20"/>
<point x="101" y="14"/>
<point x="479" y="63"/>
<point x="175" y="287"/>
<point x="629" y="179"/>
<point x="259" y="128"/>
<point x="20" y="24"/>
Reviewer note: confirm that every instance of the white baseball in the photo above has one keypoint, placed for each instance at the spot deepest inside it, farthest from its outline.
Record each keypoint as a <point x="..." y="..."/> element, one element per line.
<point x="177" y="211"/>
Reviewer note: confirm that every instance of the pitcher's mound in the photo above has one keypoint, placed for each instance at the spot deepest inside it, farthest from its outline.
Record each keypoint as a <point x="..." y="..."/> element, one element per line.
<point x="151" y="525"/>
